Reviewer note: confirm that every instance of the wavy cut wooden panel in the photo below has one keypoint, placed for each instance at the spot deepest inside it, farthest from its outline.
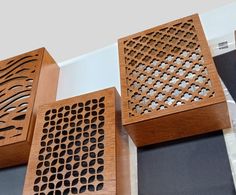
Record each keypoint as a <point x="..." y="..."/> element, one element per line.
<point x="79" y="147"/>
<point x="26" y="81"/>
<point x="168" y="75"/>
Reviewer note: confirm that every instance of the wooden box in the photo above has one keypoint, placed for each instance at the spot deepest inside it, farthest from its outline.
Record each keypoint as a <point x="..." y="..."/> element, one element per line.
<point x="79" y="147"/>
<point x="26" y="81"/>
<point x="170" y="86"/>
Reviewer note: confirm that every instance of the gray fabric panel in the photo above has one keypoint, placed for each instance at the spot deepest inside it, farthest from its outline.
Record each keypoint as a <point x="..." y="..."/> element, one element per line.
<point x="12" y="180"/>
<point x="193" y="166"/>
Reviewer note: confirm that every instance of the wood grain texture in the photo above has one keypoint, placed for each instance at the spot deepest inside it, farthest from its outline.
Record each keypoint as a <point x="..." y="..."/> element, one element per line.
<point x="165" y="71"/>
<point x="79" y="147"/>
<point x="24" y="85"/>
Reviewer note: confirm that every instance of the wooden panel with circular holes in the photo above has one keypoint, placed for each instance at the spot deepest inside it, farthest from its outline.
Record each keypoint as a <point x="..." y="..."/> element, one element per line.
<point x="79" y="147"/>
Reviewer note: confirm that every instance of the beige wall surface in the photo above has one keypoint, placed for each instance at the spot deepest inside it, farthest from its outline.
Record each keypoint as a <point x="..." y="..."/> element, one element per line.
<point x="71" y="28"/>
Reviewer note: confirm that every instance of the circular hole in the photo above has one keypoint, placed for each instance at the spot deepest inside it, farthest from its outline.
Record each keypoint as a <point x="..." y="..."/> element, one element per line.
<point x="59" y="176"/>
<point x="44" y="179"/>
<point x="87" y="109"/>
<point x="92" y="155"/>
<point x="85" y="148"/>
<point x="92" y="140"/>
<point x="100" y="161"/>
<point x="78" y="130"/>
<point x="51" y="185"/>
<point x="83" y="180"/>
<point x="69" y="152"/>
<point x="46" y="163"/>
<point x="100" y="177"/>
<point x="91" y="170"/>
<point x="94" y="126"/>
<point x="75" y="173"/>
<point x="78" y="143"/>
<point x="86" y="121"/>
<point x="100" y="131"/>
<point x="36" y="188"/>
<point x="68" y="167"/>
<point x="77" y="158"/>
<point x="91" y="188"/>
<point x="73" y="117"/>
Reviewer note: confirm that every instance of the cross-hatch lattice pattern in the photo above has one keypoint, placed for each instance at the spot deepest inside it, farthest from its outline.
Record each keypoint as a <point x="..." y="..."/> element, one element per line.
<point x="71" y="159"/>
<point x="165" y="68"/>
<point x="16" y="81"/>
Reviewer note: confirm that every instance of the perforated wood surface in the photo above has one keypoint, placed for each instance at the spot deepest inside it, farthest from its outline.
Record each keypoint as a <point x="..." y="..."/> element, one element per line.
<point x="21" y="84"/>
<point x="166" y="70"/>
<point x="18" y="80"/>
<point x="76" y="148"/>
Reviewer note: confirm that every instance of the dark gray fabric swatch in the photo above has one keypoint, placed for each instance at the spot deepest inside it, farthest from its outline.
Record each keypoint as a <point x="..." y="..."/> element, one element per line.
<point x="193" y="166"/>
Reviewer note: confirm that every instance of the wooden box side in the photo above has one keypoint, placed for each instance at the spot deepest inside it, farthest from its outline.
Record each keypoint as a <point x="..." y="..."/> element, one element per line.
<point x="213" y="85"/>
<point x="101" y="127"/>
<point x="122" y="153"/>
<point x="188" y="123"/>
<point x="46" y="89"/>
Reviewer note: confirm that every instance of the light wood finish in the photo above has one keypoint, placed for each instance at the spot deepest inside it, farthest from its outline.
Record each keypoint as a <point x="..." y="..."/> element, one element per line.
<point x="168" y="78"/>
<point x="79" y="147"/>
<point x="26" y="82"/>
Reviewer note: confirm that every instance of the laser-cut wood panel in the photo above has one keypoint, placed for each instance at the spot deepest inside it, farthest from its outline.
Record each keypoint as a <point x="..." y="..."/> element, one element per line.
<point x="170" y="86"/>
<point x="26" y="81"/>
<point x="79" y="147"/>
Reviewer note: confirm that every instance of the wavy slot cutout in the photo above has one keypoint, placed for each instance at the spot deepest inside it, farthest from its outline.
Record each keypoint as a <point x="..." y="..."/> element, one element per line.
<point x="16" y="81"/>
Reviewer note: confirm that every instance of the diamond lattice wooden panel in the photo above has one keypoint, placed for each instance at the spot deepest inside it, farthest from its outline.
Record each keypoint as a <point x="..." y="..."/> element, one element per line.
<point x="26" y="81"/>
<point x="79" y="147"/>
<point x="168" y="75"/>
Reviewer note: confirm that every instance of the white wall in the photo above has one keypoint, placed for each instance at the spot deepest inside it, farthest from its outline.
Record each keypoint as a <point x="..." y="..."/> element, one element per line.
<point x="71" y="28"/>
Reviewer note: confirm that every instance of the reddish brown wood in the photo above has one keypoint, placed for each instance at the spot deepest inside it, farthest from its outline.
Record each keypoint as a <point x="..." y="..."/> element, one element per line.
<point x="168" y="78"/>
<point x="26" y="81"/>
<point x="79" y="147"/>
